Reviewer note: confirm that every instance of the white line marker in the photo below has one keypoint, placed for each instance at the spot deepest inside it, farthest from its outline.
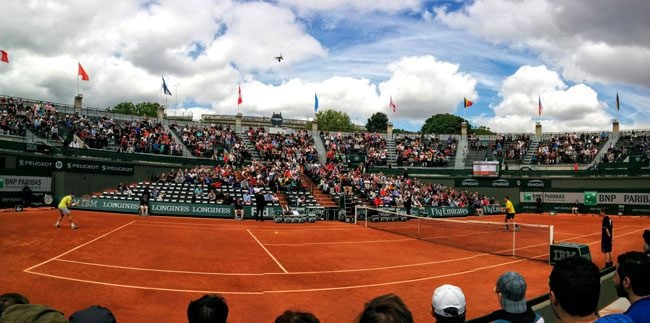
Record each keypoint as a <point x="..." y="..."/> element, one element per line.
<point x="143" y="287"/>
<point x="267" y="251"/>
<point x="73" y="249"/>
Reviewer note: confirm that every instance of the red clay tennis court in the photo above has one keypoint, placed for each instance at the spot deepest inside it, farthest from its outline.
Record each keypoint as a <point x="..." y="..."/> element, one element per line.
<point x="148" y="269"/>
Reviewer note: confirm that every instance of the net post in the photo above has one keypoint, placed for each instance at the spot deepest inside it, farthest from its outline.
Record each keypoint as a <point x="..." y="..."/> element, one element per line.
<point x="551" y="238"/>
<point x="356" y="213"/>
<point x="551" y="241"/>
<point x="514" y="237"/>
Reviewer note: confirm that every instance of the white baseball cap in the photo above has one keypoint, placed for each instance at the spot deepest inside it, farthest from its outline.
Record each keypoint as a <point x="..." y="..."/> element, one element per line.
<point x="448" y="301"/>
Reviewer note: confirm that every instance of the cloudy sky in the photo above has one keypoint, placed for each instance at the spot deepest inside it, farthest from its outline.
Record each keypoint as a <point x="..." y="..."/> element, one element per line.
<point x="504" y="55"/>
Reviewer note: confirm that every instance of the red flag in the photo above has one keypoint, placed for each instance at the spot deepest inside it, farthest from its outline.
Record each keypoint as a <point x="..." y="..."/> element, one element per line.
<point x="540" y="108"/>
<point x="4" y="56"/>
<point x="239" y="100"/>
<point x="83" y="74"/>
<point x="467" y="103"/>
<point x="392" y="105"/>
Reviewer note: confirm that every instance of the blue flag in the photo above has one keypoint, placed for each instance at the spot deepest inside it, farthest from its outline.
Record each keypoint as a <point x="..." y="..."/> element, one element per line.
<point x="315" y="102"/>
<point x="166" y="90"/>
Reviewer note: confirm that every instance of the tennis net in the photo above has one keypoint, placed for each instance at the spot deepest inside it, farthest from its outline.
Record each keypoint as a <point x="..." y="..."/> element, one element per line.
<point x="530" y="241"/>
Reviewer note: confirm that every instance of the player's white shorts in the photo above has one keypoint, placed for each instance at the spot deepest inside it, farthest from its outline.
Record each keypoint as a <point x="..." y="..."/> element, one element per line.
<point x="64" y="210"/>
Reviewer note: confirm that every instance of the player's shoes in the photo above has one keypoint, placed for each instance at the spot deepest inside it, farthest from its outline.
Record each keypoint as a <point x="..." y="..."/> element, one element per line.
<point x="57" y="225"/>
<point x="73" y="227"/>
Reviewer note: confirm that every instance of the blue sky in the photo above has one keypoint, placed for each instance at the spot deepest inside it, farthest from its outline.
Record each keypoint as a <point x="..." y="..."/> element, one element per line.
<point x="427" y="55"/>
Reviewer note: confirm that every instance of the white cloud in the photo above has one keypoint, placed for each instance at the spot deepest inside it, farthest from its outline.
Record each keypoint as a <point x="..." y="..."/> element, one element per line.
<point x="502" y="20"/>
<point x="353" y="5"/>
<point x="420" y="86"/>
<point x="576" y="108"/>
<point x="587" y="40"/>
<point x="423" y="86"/>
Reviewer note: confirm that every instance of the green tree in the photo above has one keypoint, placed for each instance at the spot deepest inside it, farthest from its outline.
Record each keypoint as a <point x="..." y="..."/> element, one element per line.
<point x="377" y="122"/>
<point x="482" y="130"/>
<point x="149" y="109"/>
<point x="443" y="124"/>
<point x="402" y="131"/>
<point x="332" y="120"/>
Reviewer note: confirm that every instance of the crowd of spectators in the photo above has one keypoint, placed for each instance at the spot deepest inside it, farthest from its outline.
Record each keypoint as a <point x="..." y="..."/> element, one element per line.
<point x="508" y="147"/>
<point x="339" y="147"/>
<point x="382" y="190"/>
<point x="569" y="148"/>
<point x="629" y="144"/>
<point x="426" y="151"/>
<point x="294" y="147"/>
<point x="214" y="142"/>
<point x="17" y="115"/>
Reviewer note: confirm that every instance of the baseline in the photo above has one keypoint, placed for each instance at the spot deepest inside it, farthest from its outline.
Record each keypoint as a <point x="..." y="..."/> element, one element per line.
<point x="77" y="247"/>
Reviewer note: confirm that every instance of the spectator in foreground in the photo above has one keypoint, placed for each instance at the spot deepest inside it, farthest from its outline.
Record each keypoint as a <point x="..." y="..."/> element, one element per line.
<point x="93" y="314"/>
<point x="575" y="288"/>
<point x="448" y="304"/>
<point x="632" y="281"/>
<point x="8" y="299"/>
<point x="386" y="308"/>
<point x="31" y="313"/>
<point x="646" y="241"/>
<point x="210" y="308"/>
<point x="296" y="317"/>
<point x="511" y="290"/>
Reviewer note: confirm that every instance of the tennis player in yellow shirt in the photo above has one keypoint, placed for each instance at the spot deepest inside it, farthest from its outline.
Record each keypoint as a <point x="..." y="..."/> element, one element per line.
<point x="510" y="214"/>
<point x="66" y="202"/>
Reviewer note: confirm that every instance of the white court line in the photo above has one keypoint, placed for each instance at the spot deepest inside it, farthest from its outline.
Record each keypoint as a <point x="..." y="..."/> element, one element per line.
<point x="337" y="242"/>
<point x="163" y="270"/>
<point x="278" y="273"/>
<point x="286" y="272"/>
<point x="307" y="229"/>
<point x="287" y="290"/>
<point x="73" y="249"/>
<point x="267" y="251"/>
<point x="615" y="235"/>
<point x="144" y="287"/>
<point x="394" y="282"/>
<point x="189" y="226"/>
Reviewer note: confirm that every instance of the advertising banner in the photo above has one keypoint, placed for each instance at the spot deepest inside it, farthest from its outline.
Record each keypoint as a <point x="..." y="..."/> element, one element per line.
<point x="187" y="209"/>
<point x="588" y="198"/>
<point x="444" y="212"/>
<point x="503" y="182"/>
<point x="493" y="209"/>
<point x="167" y="208"/>
<point x="16" y="183"/>
<point x="109" y="205"/>
<point x="73" y="165"/>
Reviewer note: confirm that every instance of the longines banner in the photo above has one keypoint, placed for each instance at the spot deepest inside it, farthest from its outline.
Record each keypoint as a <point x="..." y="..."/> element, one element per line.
<point x="73" y="165"/>
<point x="166" y="208"/>
<point x="503" y="182"/>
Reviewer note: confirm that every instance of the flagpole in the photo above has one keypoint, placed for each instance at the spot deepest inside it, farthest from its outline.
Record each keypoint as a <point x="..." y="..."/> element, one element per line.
<point x="77" y="78"/>
<point x="176" y="97"/>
